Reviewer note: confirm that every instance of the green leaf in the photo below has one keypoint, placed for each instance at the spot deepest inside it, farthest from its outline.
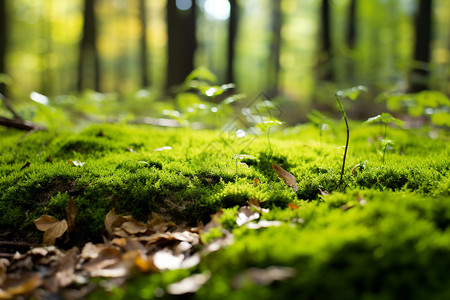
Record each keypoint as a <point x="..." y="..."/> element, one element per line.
<point x="267" y="124"/>
<point x="351" y="93"/>
<point x="385" y="118"/>
<point x="202" y="73"/>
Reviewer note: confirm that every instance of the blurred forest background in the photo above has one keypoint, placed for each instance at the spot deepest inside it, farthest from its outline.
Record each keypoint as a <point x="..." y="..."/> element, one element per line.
<point x="298" y="52"/>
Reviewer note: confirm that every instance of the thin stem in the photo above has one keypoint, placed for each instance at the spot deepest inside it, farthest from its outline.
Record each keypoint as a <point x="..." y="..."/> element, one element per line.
<point x="345" y="151"/>
<point x="268" y="140"/>
<point x="385" y="125"/>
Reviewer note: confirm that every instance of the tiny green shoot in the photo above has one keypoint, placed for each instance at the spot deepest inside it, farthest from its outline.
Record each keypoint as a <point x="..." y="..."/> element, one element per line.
<point x="265" y="128"/>
<point x="385" y="118"/>
<point x="351" y="94"/>
<point x="320" y="120"/>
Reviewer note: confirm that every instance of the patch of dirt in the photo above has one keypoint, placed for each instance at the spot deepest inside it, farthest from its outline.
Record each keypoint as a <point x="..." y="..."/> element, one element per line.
<point x="55" y="187"/>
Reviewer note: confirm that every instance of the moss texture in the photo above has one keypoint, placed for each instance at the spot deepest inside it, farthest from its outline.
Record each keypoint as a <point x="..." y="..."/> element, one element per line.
<point x="384" y="233"/>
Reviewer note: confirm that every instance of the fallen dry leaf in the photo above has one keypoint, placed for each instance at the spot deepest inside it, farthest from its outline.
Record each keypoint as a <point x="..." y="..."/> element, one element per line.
<point x="288" y="178"/>
<point x="167" y="260"/>
<point x="26" y="284"/>
<point x="253" y="203"/>
<point x="263" y="224"/>
<point x="245" y="215"/>
<point x="189" y="284"/>
<point x="4" y="263"/>
<point x="65" y="274"/>
<point x="134" y="227"/>
<point x="215" y="221"/>
<point x="293" y="206"/>
<point x="52" y="227"/>
<point x="262" y="276"/>
<point x="113" y="221"/>
<point x="91" y="251"/>
<point x="76" y="163"/>
<point x="108" y="256"/>
<point x="71" y="211"/>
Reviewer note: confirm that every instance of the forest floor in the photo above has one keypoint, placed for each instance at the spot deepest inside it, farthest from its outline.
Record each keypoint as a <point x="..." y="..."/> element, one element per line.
<point x="140" y="212"/>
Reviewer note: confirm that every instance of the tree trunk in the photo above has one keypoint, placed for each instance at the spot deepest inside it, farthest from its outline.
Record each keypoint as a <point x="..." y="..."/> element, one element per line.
<point x="3" y="42"/>
<point x="418" y="77"/>
<point x="351" y="29"/>
<point x="143" y="44"/>
<point x="350" y="41"/>
<point x="181" y="43"/>
<point x="88" y="54"/>
<point x="274" y="64"/>
<point x="325" y="66"/>
<point x="232" y="33"/>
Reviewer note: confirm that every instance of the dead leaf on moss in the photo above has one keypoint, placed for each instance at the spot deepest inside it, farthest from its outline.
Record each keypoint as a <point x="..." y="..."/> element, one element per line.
<point x="253" y="203"/>
<point x="288" y="178"/>
<point x="215" y="221"/>
<point x="360" y="200"/>
<point x="245" y="215"/>
<point x="52" y="227"/>
<point x="189" y="284"/>
<point x="76" y="163"/>
<point x="262" y="276"/>
<point x="324" y="192"/>
<point x="293" y="206"/>
<point x="263" y="224"/>
<point x="256" y="182"/>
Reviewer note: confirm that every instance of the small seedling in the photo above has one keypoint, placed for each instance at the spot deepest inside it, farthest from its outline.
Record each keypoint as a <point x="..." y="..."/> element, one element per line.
<point x="351" y="94"/>
<point x="320" y="120"/>
<point x="265" y="127"/>
<point x="385" y="118"/>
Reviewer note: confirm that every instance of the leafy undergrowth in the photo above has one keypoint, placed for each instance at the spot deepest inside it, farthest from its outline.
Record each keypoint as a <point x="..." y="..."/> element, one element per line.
<point x="139" y="212"/>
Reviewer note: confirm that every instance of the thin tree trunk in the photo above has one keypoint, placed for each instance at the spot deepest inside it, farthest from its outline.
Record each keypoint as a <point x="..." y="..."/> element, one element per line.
<point x="351" y="29"/>
<point x="181" y="26"/>
<point x="143" y="44"/>
<point x="325" y="51"/>
<point x="350" y="41"/>
<point x="88" y="50"/>
<point x="418" y="77"/>
<point x="232" y="33"/>
<point x="274" y="71"/>
<point x="3" y="41"/>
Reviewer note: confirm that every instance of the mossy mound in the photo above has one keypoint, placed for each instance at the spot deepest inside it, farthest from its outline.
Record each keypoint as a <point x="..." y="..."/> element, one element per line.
<point x="383" y="233"/>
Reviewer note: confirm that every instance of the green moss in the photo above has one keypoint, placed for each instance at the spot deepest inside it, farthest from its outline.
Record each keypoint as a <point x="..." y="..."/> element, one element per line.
<point x="383" y="233"/>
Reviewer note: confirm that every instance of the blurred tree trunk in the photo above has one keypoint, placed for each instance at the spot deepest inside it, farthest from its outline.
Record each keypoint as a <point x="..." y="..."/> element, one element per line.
<point x="3" y="42"/>
<point x="351" y="29"/>
<point x="274" y="64"/>
<point x="418" y="77"/>
<point x="88" y="55"/>
<point x="143" y="44"/>
<point x="325" y="64"/>
<point x="232" y="33"/>
<point x="181" y="26"/>
<point x="351" y="40"/>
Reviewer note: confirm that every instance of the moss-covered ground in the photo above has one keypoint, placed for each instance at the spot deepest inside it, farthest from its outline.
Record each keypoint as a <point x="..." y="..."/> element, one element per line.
<point x="382" y="234"/>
